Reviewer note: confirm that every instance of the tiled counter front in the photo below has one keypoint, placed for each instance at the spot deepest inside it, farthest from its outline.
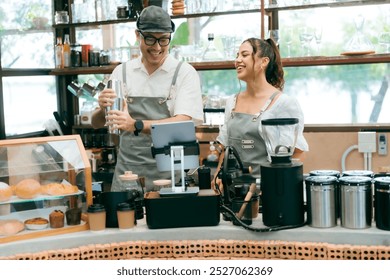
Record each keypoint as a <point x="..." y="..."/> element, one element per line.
<point x="224" y="241"/>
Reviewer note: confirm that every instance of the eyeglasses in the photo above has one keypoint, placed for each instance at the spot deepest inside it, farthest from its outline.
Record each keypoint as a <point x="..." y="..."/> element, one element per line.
<point x="151" y="40"/>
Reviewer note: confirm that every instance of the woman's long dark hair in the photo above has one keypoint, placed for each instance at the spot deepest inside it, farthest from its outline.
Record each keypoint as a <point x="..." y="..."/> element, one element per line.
<point x="274" y="73"/>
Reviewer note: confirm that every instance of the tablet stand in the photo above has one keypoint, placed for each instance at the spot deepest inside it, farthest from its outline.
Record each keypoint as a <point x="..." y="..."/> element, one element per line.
<point x="177" y="156"/>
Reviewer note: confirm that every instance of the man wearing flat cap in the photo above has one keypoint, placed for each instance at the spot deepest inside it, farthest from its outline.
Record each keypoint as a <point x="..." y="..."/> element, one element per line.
<point x="159" y="89"/>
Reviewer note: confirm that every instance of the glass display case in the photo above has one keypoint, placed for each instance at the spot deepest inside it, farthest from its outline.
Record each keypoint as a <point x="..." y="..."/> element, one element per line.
<point x="47" y="177"/>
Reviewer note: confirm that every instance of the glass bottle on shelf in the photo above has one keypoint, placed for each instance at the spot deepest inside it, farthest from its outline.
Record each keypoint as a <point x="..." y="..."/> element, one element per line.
<point x="359" y="42"/>
<point x="213" y="155"/>
<point x="211" y="53"/>
<point x="59" y="53"/>
<point x="66" y="51"/>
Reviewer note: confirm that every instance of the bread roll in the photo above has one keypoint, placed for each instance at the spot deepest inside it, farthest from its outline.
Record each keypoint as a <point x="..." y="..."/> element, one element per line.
<point x="10" y="227"/>
<point x="27" y="188"/>
<point x="5" y="192"/>
<point x="59" y="189"/>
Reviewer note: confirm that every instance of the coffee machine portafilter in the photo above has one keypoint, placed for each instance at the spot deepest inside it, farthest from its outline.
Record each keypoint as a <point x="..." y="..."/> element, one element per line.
<point x="240" y="195"/>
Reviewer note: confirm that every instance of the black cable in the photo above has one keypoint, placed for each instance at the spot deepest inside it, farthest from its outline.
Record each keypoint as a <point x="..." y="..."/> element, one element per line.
<point x="266" y="229"/>
<point x="225" y="199"/>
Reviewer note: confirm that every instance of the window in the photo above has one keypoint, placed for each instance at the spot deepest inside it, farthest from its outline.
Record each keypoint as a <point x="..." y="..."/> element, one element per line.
<point x="339" y="94"/>
<point x="29" y="102"/>
<point x="27" y="54"/>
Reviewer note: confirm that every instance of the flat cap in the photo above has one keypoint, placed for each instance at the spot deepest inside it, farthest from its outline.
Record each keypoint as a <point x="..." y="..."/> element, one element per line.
<point x="155" y="19"/>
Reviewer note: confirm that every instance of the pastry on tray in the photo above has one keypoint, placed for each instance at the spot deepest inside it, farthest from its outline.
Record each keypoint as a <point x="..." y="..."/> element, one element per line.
<point x="36" y="223"/>
<point x="57" y="219"/>
<point x="59" y="189"/>
<point x="5" y="192"/>
<point x="27" y="188"/>
<point x="10" y="227"/>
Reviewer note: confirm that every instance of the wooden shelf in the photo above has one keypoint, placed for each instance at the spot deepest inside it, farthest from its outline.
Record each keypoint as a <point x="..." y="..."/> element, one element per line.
<point x="225" y="65"/>
<point x="97" y="24"/>
<point x="84" y="70"/>
<point x="330" y="4"/>
<point x="335" y="60"/>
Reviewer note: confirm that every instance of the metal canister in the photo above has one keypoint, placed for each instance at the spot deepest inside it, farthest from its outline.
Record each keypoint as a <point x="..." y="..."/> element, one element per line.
<point x="321" y="201"/>
<point x="329" y="172"/>
<point x="382" y="202"/>
<point x="356" y="201"/>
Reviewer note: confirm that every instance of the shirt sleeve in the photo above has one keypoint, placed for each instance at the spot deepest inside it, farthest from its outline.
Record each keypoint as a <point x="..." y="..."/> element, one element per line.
<point x="188" y="94"/>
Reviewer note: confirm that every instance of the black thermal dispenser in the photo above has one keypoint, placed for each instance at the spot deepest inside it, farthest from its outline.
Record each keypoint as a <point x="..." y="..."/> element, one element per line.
<point x="282" y="177"/>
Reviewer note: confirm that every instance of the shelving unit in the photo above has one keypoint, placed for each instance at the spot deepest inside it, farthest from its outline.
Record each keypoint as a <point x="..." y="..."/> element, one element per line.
<point x="267" y="12"/>
<point x="225" y="65"/>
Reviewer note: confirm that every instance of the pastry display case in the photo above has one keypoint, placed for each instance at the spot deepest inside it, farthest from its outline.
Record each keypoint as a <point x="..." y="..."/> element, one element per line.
<point x="44" y="182"/>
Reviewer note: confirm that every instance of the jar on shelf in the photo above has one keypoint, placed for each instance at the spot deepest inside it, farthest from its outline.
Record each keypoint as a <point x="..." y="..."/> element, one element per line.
<point x="61" y="17"/>
<point x="75" y="55"/>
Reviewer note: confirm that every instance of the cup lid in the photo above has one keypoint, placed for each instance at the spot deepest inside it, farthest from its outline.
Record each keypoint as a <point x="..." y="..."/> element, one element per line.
<point x="125" y="206"/>
<point x="128" y="176"/>
<point x="325" y="172"/>
<point x="162" y="182"/>
<point x="321" y="180"/>
<point x="94" y="208"/>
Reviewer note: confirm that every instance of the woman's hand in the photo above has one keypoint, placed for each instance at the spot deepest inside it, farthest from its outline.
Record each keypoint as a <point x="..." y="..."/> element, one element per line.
<point x="216" y="184"/>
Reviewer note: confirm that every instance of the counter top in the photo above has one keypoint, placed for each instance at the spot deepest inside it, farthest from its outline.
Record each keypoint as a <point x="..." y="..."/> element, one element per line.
<point x="225" y="230"/>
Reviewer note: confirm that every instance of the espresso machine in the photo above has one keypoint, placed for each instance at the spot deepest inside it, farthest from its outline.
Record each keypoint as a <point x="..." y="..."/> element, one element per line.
<point x="282" y="177"/>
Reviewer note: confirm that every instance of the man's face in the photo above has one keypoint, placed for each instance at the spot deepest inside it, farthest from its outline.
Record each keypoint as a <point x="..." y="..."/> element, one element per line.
<point x="154" y="46"/>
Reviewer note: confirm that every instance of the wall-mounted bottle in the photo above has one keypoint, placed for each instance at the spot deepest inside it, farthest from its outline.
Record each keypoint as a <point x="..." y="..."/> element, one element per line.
<point x="59" y="53"/>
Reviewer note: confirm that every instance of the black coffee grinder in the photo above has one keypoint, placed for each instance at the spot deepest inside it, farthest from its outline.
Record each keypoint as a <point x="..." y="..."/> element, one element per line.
<point x="282" y="177"/>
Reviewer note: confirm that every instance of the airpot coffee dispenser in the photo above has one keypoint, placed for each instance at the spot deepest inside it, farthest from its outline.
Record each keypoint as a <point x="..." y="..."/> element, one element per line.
<point x="281" y="178"/>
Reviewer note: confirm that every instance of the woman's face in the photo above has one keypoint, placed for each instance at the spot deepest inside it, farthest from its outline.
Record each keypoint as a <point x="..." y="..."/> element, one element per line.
<point x="244" y="62"/>
<point x="153" y="55"/>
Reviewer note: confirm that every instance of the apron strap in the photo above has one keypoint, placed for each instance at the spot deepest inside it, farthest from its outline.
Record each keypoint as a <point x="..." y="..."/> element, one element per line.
<point x="266" y="105"/>
<point x="124" y="78"/>
<point x="176" y="73"/>
<point x="124" y="72"/>
<point x="172" y="89"/>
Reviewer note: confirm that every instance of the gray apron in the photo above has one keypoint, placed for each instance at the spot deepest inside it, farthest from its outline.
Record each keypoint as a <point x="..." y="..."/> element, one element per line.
<point x="135" y="151"/>
<point x="243" y="131"/>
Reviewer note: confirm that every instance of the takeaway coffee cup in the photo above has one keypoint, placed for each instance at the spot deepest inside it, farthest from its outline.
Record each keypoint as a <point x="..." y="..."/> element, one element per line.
<point x="126" y="215"/>
<point x="96" y="217"/>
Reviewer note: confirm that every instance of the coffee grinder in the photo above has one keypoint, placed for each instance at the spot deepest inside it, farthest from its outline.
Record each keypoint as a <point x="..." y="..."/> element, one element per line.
<point x="281" y="178"/>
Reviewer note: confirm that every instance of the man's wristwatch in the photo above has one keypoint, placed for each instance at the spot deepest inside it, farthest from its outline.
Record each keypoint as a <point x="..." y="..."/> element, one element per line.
<point x="138" y="125"/>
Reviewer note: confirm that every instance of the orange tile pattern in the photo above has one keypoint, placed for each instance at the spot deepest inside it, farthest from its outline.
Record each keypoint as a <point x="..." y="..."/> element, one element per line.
<point x="212" y="249"/>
